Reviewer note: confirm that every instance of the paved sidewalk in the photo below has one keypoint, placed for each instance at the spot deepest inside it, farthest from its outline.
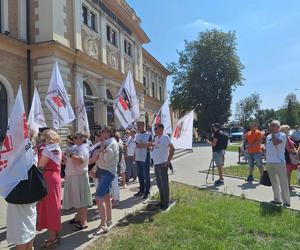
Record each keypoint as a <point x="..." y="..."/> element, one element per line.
<point x="190" y="170"/>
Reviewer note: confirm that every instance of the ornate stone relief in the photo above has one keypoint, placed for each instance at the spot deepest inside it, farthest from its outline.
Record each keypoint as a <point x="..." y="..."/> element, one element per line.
<point x="128" y="64"/>
<point x="90" y="42"/>
<point x="112" y="56"/>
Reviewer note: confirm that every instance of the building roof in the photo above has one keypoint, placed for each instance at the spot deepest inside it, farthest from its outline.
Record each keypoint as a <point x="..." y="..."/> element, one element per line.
<point x="152" y="59"/>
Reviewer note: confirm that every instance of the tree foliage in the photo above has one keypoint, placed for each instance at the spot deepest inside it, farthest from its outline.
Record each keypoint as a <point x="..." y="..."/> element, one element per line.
<point x="207" y="71"/>
<point x="247" y="109"/>
<point x="290" y="111"/>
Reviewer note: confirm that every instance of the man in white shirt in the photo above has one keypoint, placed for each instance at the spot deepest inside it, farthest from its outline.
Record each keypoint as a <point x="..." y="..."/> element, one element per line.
<point x="275" y="148"/>
<point x="142" y="159"/>
<point x="162" y="153"/>
<point x="131" y="170"/>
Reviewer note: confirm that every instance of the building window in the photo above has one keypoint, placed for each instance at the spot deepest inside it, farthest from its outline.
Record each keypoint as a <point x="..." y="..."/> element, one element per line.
<point x="111" y="35"/>
<point x="145" y="85"/>
<point x="89" y="106"/>
<point x="84" y="15"/>
<point x="153" y="89"/>
<point x="88" y="18"/>
<point x="3" y="111"/>
<point x="93" y="21"/>
<point x="127" y="48"/>
<point x="160" y="93"/>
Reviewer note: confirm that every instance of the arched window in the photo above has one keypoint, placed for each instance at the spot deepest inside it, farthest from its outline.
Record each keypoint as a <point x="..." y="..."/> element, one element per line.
<point x="89" y="106"/>
<point x="110" y="110"/>
<point x="3" y="111"/>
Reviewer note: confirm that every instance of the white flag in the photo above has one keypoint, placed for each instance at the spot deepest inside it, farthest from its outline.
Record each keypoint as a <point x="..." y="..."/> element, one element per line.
<point x="36" y="118"/>
<point x="57" y="100"/>
<point x="182" y="137"/>
<point x="82" y="119"/>
<point x="126" y="105"/>
<point x="16" y="155"/>
<point x="163" y="116"/>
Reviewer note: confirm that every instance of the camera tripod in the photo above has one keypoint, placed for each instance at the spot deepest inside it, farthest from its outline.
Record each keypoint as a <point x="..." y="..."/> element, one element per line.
<point x="211" y="168"/>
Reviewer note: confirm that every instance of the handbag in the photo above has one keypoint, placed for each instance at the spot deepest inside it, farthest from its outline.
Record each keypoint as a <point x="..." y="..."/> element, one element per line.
<point x="31" y="190"/>
<point x="266" y="179"/>
<point x="294" y="158"/>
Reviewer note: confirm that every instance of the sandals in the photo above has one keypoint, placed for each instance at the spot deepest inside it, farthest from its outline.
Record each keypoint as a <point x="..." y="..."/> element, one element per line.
<point x="102" y="230"/>
<point x="49" y="244"/>
<point x="79" y="227"/>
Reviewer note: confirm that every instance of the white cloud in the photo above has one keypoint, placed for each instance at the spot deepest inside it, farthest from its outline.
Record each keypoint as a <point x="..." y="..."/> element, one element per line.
<point x="202" y="24"/>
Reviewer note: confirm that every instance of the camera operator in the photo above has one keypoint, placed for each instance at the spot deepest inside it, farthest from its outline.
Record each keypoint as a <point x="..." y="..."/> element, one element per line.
<point x="219" y="145"/>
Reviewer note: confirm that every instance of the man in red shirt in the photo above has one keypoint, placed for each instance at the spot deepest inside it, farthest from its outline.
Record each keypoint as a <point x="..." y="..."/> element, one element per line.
<point x="254" y="138"/>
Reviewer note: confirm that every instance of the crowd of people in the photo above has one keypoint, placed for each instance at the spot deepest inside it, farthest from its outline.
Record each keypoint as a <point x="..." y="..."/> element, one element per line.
<point x="279" y="149"/>
<point x="112" y="161"/>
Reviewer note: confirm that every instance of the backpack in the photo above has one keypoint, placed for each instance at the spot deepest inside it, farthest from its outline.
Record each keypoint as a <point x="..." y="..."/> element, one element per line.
<point x="222" y="140"/>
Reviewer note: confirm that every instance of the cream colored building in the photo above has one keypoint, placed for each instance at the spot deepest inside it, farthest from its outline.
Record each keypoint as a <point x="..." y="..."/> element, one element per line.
<point x="95" y="43"/>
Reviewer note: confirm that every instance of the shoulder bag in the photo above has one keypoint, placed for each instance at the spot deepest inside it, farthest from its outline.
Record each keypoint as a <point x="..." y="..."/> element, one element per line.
<point x="31" y="190"/>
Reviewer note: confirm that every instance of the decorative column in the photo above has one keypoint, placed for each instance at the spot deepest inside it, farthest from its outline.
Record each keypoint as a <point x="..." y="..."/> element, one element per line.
<point x="22" y="20"/>
<point x="77" y="24"/>
<point x="102" y="107"/>
<point x="4" y="16"/>
<point x="103" y="38"/>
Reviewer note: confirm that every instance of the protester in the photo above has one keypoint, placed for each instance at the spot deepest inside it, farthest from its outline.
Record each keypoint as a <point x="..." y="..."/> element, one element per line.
<point x="295" y="136"/>
<point x="48" y="208"/>
<point x="77" y="192"/>
<point x="109" y="158"/>
<point x="289" y="149"/>
<point x="162" y="153"/>
<point x="142" y="159"/>
<point x="254" y="139"/>
<point x="121" y="164"/>
<point x="276" y="166"/>
<point x="21" y="221"/>
<point x="219" y="145"/>
<point x="131" y="169"/>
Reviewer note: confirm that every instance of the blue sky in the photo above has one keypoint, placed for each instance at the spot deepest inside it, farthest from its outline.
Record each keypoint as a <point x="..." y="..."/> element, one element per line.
<point x="268" y="37"/>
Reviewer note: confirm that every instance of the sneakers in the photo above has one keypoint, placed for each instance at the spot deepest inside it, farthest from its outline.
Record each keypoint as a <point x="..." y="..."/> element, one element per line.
<point x="145" y="196"/>
<point x="249" y="178"/>
<point x="219" y="182"/>
<point x="138" y="194"/>
<point x="276" y="202"/>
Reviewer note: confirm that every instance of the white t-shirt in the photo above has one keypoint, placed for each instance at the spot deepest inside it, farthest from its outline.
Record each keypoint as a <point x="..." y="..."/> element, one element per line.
<point x="130" y="142"/>
<point x="141" y="153"/>
<point x="275" y="154"/>
<point x="82" y="151"/>
<point x="161" y="149"/>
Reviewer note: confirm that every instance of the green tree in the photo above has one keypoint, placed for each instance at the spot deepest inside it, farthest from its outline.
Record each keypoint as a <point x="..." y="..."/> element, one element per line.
<point x="207" y="71"/>
<point x="289" y="112"/>
<point x="247" y="109"/>
<point x="264" y="116"/>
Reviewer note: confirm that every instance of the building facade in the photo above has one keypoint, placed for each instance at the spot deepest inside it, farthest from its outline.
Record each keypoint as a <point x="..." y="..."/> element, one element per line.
<point x="94" y="42"/>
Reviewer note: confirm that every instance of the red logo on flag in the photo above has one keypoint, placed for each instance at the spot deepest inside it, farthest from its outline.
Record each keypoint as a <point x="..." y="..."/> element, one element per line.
<point x="25" y="127"/>
<point x="58" y="101"/>
<point x="177" y="131"/>
<point x="123" y="103"/>
<point x="7" y="147"/>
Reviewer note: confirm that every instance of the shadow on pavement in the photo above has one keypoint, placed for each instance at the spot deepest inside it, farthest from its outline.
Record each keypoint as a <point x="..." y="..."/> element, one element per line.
<point x="248" y="185"/>
<point x="268" y="209"/>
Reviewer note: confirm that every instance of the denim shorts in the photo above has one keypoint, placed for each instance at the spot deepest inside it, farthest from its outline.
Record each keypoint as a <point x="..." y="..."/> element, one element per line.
<point x="218" y="157"/>
<point x="104" y="182"/>
<point x="255" y="158"/>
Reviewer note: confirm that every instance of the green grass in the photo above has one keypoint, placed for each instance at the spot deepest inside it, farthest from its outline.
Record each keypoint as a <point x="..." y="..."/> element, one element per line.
<point x="204" y="219"/>
<point x="233" y="148"/>
<point x="242" y="170"/>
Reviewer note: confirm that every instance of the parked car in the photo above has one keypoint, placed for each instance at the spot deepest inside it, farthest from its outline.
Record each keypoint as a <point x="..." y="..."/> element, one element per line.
<point x="236" y="134"/>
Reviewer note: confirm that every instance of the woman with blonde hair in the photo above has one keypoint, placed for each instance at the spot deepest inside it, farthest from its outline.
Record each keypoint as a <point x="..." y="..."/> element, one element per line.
<point x="49" y="207"/>
<point x="289" y="149"/>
